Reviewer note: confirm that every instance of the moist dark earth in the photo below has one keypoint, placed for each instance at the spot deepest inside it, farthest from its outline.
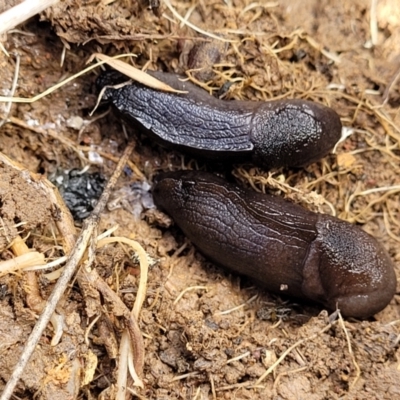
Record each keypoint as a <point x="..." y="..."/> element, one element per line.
<point x="221" y="336"/>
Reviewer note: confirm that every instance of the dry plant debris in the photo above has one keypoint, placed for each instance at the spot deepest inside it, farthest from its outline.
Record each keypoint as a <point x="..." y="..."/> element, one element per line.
<point x="203" y="343"/>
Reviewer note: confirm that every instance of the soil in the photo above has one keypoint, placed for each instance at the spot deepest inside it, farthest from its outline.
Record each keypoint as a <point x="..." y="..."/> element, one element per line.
<point x="224" y="333"/>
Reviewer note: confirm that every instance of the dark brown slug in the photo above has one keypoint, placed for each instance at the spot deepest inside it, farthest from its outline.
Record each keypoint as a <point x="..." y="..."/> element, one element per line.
<point x="273" y="134"/>
<point x="283" y="246"/>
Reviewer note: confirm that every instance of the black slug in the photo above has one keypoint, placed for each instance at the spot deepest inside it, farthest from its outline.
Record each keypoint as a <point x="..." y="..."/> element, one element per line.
<point x="283" y="246"/>
<point x="274" y="134"/>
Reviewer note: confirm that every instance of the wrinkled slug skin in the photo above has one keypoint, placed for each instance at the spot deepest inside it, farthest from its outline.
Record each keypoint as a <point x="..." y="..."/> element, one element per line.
<point x="273" y="134"/>
<point x="283" y="246"/>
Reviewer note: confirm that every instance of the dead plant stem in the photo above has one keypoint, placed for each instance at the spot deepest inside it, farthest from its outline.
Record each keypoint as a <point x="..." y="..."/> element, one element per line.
<point x="77" y="253"/>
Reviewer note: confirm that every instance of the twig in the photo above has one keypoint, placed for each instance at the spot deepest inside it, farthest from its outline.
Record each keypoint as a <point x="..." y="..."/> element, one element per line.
<point x="239" y="357"/>
<point x="13" y="88"/>
<point x="21" y="12"/>
<point x="237" y="307"/>
<point x="388" y="189"/>
<point x="188" y="289"/>
<point x="353" y="359"/>
<point x="106" y="60"/>
<point x="134" y="361"/>
<point x="211" y="379"/>
<point x="373" y="23"/>
<point x="194" y="27"/>
<point x="285" y="353"/>
<point x="184" y="376"/>
<point x="78" y="251"/>
<point x="134" y="73"/>
<point x="389" y="86"/>
<point x="328" y="54"/>
<point x="120" y="309"/>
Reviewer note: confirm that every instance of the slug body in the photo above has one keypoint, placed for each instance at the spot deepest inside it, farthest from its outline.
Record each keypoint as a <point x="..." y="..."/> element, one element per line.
<point x="274" y="134"/>
<point x="283" y="246"/>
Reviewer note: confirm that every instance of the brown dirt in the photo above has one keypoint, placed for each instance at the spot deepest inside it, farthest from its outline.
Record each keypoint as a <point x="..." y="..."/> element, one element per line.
<point x="192" y="349"/>
<point x="23" y="207"/>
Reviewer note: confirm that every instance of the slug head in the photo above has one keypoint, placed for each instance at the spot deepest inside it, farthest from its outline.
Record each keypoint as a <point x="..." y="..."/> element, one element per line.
<point x="170" y="190"/>
<point x="293" y="133"/>
<point x="348" y="269"/>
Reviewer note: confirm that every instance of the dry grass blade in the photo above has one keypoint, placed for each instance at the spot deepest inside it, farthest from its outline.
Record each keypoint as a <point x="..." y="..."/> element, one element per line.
<point x="21" y="262"/>
<point x="125" y="350"/>
<point x="353" y="359"/>
<point x="13" y="88"/>
<point x="225" y="312"/>
<point x="21" y="12"/>
<point x="132" y="327"/>
<point x="51" y="89"/>
<point x="188" y="290"/>
<point x="194" y="27"/>
<point x="391" y="84"/>
<point x="285" y="353"/>
<point x="328" y="54"/>
<point x="134" y="73"/>
<point x="389" y="191"/>
<point x="138" y="75"/>
<point x="373" y="23"/>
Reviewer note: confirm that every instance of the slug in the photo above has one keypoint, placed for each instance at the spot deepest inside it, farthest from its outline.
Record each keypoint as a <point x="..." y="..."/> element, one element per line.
<point x="282" y="133"/>
<point x="286" y="248"/>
